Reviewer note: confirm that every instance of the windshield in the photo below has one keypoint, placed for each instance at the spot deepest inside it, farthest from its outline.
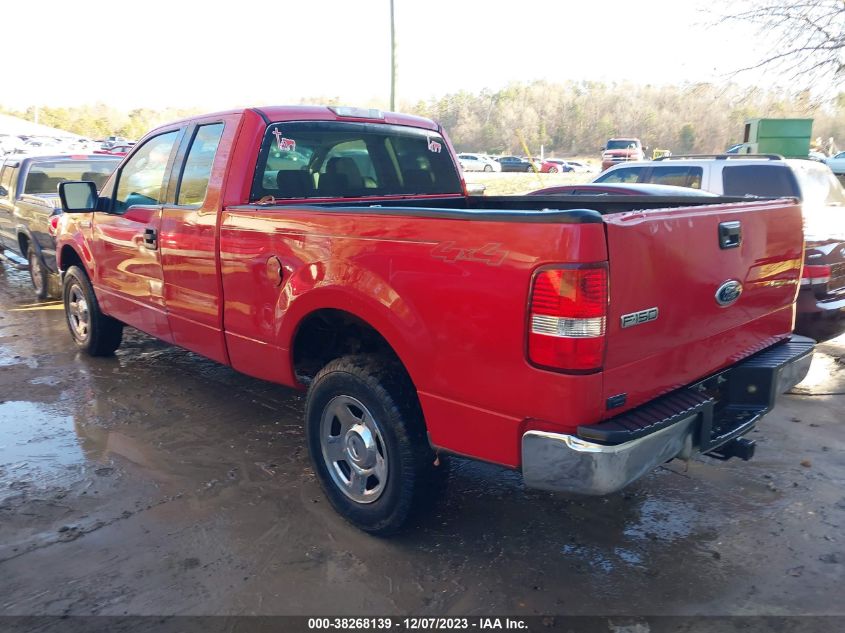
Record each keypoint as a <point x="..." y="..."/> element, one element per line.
<point x="337" y="159"/>
<point x="818" y="184"/>
<point x="622" y="143"/>
<point x="44" y="177"/>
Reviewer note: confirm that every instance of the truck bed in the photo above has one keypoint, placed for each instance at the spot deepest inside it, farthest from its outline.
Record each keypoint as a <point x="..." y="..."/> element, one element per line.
<point x="455" y="294"/>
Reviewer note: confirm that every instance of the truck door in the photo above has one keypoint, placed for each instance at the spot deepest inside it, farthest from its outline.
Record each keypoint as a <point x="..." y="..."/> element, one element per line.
<point x="128" y="275"/>
<point x="189" y="238"/>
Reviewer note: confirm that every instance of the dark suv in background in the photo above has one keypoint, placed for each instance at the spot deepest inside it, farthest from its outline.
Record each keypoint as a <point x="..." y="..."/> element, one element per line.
<point x="30" y="208"/>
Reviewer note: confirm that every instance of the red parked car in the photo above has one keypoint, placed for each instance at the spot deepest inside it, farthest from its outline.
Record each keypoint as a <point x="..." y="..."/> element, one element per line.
<point x="115" y="150"/>
<point x="334" y="250"/>
<point x="554" y="166"/>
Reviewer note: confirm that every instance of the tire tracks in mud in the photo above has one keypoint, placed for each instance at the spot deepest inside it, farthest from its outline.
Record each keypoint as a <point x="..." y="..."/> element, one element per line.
<point x="69" y="534"/>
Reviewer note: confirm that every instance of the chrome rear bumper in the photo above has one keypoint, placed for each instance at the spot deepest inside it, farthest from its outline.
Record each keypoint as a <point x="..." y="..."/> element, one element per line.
<point x="555" y="461"/>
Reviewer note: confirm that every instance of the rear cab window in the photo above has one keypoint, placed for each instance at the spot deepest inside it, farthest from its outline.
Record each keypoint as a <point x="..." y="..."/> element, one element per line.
<point x="776" y="181"/>
<point x="336" y="159"/>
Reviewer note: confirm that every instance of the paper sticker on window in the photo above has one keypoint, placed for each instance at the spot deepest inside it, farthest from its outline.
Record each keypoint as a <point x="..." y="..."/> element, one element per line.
<point x="284" y="144"/>
<point x="434" y="146"/>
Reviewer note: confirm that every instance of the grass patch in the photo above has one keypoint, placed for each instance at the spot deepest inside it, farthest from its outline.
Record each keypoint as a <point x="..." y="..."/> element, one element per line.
<point x="498" y="184"/>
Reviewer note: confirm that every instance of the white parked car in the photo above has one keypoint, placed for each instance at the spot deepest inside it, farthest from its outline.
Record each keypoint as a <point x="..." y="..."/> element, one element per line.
<point x="40" y="145"/>
<point x="9" y="144"/>
<point x="478" y="162"/>
<point x="580" y="167"/>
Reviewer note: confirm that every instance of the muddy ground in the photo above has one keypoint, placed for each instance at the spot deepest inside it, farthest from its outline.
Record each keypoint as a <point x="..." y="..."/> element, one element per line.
<point x="157" y="482"/>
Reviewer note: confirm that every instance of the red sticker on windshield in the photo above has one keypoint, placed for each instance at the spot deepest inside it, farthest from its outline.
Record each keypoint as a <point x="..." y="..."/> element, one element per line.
<point x="434" y="146"/>
<point x="284" y="144"/>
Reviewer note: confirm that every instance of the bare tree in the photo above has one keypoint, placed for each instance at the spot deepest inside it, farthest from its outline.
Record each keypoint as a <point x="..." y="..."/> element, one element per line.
<point x="809" y="36"/>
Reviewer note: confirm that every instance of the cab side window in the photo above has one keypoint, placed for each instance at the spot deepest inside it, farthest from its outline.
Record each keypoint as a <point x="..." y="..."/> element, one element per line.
<point x="197" y="170"/>
<point x="628" y="174"/>
<point x="677" y="175"/>
<point x="141" y="180"/>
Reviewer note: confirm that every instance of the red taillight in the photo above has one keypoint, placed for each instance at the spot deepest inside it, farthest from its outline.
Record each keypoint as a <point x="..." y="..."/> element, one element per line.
<point x="815" y="274"/>
<point x="54" y="225"/>
<point x="567" y="318"/>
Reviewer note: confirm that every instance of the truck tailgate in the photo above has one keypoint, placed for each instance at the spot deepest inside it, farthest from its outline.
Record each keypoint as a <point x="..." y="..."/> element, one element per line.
<point x="685" y="301"/>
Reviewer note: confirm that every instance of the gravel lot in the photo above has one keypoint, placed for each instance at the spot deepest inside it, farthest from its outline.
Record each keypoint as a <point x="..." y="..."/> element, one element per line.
<point x="157" y="482"/>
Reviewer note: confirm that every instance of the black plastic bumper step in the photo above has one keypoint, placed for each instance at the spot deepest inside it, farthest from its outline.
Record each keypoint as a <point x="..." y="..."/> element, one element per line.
<point x="728" y="403"/>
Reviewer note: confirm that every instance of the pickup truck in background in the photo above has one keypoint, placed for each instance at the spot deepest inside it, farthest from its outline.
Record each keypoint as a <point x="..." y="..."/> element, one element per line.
<point x="621" y="150"/>
<point x="29" y="209"/>
<point x="584" y="341"/>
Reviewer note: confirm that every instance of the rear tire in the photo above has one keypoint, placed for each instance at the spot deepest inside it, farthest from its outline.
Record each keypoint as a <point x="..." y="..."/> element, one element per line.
<point x="37" y="273"/>
<point x="553" y="170"/>
<point x="368" y="443"/>
<point x="488" y="167"/>
<point x="94" y="333"/>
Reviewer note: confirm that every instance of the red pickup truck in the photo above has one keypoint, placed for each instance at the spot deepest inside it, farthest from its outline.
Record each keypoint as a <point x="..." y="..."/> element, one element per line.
<point x="583" y="341"/>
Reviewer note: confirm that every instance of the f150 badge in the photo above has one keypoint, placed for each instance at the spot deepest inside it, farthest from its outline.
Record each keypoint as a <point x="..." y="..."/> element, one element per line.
<point x="638" y="318"/>
<point x="728" y="293"/>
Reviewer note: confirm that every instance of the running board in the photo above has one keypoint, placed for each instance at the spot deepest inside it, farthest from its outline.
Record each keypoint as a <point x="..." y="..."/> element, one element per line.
<point x="16" y="261"/>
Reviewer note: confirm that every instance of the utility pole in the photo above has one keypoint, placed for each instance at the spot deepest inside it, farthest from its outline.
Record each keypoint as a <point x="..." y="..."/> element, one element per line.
<point x="392" y="59"/>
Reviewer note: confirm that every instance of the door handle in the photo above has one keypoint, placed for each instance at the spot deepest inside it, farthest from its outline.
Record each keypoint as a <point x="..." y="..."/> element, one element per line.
<point x="151" y="239"/>
<point x="730" y="234"/>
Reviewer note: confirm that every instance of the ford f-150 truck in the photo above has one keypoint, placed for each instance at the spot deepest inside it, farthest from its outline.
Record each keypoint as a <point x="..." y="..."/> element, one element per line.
<point x="582" y="341"/>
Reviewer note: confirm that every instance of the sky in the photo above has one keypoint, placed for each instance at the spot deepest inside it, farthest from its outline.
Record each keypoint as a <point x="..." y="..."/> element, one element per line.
<point x="155" y="53"/>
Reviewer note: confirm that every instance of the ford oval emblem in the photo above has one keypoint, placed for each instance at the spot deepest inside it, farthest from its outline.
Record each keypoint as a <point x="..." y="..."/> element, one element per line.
<point x="728" y="293"/>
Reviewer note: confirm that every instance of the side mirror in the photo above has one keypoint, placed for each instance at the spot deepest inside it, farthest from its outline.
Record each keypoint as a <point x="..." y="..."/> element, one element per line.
<point x="601" y="149"/>
<point x="78" y="196"/>
<point x="3" y="192"/>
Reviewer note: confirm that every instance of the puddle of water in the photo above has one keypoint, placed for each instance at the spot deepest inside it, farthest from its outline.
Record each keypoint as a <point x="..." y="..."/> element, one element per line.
<point x="9" y="358"/>
<point x="37" y="445"/>
<point x="664" y="520"/>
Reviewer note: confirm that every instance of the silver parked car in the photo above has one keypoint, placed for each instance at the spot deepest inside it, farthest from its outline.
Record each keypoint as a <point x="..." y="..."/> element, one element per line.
<point x="478" y="162"/>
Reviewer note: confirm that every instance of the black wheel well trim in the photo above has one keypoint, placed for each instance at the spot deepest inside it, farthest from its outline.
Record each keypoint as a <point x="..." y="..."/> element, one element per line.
<point x="25" y="241"/>
<point x="351" y="334"/>
<point x="68" y="257"/>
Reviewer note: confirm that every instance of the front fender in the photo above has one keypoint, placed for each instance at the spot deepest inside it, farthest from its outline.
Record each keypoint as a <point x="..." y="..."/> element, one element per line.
<point x="71" y="239"/>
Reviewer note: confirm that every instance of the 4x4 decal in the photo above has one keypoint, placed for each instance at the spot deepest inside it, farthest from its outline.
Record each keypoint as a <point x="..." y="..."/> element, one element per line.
<point x="490" y="254"/>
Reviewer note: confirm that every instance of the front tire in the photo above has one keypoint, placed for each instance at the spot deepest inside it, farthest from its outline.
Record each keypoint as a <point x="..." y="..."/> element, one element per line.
<point x="553" y="170"/>
<point x="94" y="333"/>
<point x="488" y="167"/>
<point x="37" y="273"/>
<point x="367" y="442"/>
